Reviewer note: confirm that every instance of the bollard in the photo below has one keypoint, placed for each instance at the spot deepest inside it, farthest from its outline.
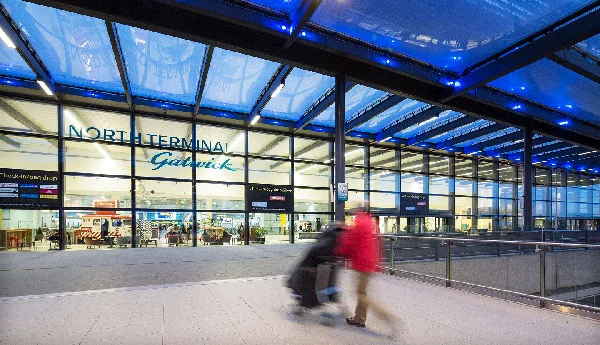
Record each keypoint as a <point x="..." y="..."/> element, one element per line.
<point x="392" y="255"/>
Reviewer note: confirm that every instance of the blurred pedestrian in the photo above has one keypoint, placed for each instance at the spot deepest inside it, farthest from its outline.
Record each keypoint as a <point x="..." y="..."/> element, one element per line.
<point x="359" y="245"/>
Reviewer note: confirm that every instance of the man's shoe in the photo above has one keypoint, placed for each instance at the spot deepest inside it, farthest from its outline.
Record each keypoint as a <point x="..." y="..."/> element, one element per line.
<point x="351" y="321"/>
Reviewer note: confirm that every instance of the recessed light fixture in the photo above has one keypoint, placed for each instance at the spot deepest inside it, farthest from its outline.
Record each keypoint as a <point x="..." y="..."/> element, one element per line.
<point x="7" y="40"/>
<point x="45" y="87"/>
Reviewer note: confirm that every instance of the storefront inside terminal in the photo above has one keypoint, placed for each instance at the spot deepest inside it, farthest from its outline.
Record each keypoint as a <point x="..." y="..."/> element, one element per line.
<point x="269" y="187"/>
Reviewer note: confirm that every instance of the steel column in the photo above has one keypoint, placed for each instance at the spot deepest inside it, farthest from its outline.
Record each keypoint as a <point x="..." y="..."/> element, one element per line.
<point x="133" y="130"/>
<point x="527" y="183"/>
<point x="340" y="142"/>
<point x="194" y="190"/>
<point x="62" y="215"/>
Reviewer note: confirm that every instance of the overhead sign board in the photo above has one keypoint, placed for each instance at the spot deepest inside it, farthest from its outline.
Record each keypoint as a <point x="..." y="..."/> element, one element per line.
<point x="28" y="188"/>
<point x="414" y="204"/>
<point x="269" y="198"/>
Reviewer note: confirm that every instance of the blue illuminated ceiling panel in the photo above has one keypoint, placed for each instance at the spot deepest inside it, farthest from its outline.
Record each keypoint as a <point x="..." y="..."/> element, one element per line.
<point x="285" y="6"/>
<point x="357" y="99"/>
<point x="13" y="65"/>
<point x="302" y="89"/>
<point x="591" y="46"/>
<point x="411" y="131"/>
<point x="459" y="131"/>
<point x="235" y="81"/>
<point x="75" y="48"/>
<point x="396" y="112"/>
<point x="550" y="84"/>
<point x="448" y="34"/>
<point x="160" y="66"/>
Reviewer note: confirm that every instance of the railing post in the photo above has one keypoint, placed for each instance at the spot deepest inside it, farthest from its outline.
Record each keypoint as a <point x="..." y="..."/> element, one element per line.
<point x="448" y="274"/>
<point x="543" y="250"/>
<point x="436" y="250"/>
<point x="392" y="255"/>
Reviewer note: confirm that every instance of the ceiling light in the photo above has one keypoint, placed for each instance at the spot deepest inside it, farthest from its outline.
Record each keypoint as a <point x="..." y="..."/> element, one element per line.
<point x="384" y="140"/>
<point x="45" y="87"/>
<point x="255" y="120"/>
<point x="277" y="90"/>
<point x="7" y="40"/>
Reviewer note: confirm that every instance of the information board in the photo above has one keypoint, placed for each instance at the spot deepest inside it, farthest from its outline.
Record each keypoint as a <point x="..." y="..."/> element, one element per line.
<point x="269" y="198"/>
<point x="28" y="188"/>
<point x="414" y="204"/>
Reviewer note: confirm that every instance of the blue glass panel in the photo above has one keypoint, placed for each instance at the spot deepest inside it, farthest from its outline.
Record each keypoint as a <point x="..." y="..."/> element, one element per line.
<point x="458" y="131"/>
<point x="285" y="6"/>
<point x="396" y="112"/>
<point x="75" y="48"/>
<point x="160" y="66"/>
<point x="357" y="99"/>
<point x="235" y="81"/>
<point x="13" y="65"/>
<point x="302" y="89"/>
<point x="447" y="34"/>
<point x="591" y="46"/>
<point x="550" y="84"/>
<point x="444" y="117"/>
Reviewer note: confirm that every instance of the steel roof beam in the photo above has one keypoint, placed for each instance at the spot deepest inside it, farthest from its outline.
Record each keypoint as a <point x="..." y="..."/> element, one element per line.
<point x="577" y="63"/>
<point x="26" y="51"/>
<point x="278" y="78"/>
<point x="320" y="106"/>
<point x="115" y="43"/>
<point x="593" y="161"/>
<point x="547" y="148"/>
<point x="10" y="141"/>
<point x="497" y="141"/>
<point x="208" y="55"/>
<point x="271" y="145"/>
<point x="577" y="30"/>
<point x="422" y="115"/>
<point x="300" y="152"/>
<point x="519" y="144"/>
<point x="559" y="154"/>
<point x="375" y="110"/>
<point x="299" y="18"/>
<point x="419" y="138"/>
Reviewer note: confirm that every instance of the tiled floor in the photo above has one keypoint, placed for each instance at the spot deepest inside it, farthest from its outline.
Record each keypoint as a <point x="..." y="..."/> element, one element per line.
<point x="260" y="311"/>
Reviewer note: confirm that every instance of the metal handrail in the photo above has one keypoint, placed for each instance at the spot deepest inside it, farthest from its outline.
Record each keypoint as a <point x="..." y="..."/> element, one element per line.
<point x="543" y="248"/>
<point x="472" y="240"/>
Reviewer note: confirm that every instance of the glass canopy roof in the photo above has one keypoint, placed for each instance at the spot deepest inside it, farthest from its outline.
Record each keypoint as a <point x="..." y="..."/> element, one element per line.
<point x="357" y="99"/>
<point x="398" y="111"/>
<point x="77" y="51"/>
<point x="460" y="34"/>
<point x="235" y="81"/>
<point x="12" y="64"/>
<point x="75" y="48"/>
<point x="302" y="88"/>
<point x="161" y="66"/>
<point x="548" y="83"/>
<point x="591" y="46"/>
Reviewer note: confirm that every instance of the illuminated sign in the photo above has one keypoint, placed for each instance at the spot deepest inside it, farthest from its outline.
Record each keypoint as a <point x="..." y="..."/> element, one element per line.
<point x="28" y="188"/>
<point x="414" y="204"/>
<point x="269" y="198"/>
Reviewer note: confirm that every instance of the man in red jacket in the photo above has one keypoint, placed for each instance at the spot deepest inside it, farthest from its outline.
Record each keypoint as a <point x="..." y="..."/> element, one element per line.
<point x="361" y="247"/>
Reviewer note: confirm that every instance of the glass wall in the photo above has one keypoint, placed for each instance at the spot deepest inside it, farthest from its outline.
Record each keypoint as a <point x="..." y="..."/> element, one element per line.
<point x="163" y="179"/>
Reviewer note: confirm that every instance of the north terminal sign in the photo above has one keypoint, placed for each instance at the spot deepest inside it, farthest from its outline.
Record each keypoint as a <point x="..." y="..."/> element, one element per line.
<point x="262" y="198"/>
<point x="414" y="204"/>
<point x="28" y="188"/>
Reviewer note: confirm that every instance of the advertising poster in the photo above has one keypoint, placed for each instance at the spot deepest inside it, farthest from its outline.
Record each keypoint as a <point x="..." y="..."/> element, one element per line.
<point x="28" y="188"/>
<point x="414" y="204"/>
<point x="269" y="198"/>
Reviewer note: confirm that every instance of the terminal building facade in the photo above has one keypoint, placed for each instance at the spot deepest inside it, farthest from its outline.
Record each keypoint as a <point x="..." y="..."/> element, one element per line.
<point x="141" y="131"/>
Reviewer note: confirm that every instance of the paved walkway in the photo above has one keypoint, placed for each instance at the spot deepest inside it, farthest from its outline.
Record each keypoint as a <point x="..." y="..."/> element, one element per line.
<point x="258" y="310"/>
